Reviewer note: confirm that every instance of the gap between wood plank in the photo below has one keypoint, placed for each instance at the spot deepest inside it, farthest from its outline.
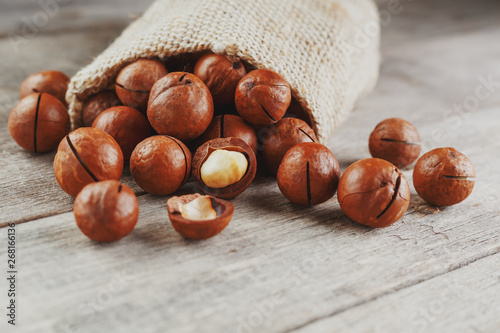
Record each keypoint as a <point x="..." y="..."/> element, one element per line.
<point x="409" y="284"/>
<point x="42" y="216"/>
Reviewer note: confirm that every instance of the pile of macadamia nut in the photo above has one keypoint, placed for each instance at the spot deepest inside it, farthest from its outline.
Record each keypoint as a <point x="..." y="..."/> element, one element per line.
<point x="213" y="117"/>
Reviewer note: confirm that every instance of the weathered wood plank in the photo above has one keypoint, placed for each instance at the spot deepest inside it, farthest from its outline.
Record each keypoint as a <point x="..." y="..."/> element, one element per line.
<point x="276" y="267"/>
<point x="465" y="300"/>
<point x="406" y="21"/>
<point x="27" y="19"/>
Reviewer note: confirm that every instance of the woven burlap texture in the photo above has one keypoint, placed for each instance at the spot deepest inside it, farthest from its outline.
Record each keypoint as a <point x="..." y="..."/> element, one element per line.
<point x="328" y="50"/>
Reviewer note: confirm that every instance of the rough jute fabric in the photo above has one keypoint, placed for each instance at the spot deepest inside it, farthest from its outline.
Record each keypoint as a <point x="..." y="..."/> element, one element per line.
<point x="328" y="50"/>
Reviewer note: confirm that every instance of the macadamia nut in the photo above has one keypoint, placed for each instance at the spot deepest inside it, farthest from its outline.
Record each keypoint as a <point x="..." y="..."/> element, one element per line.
<point x="200" y="209"/>
<point x="227" y="174"/>
<point x="223" y="168"/>
<point x="199" y="217"/>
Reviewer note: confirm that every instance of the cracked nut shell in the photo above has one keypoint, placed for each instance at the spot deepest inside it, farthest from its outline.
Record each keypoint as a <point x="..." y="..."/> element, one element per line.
<point x="227" y="126"/>
<point x="96" y="104"/>
<point x="199" y="229"/>
<point x="230" y="144"/>
<point x="126" y="125"/>
<point x="160" y="164"/>
<point x="374" y="192"/>
<point x="262" y="97"/>
<point x="309" y="174"/>
<point x="395" y="140"/>
<point x="84" y="156"/>
<point x="444" y="177"/>
<point x="54" y="83"/>
<point x="134" y="82"/>
<point x="221" y="74"/>
<point x="282" y="136"/>
<point x="39" y="122"/>
<point x="181" y="106"/>
<point x="106" y="211"/>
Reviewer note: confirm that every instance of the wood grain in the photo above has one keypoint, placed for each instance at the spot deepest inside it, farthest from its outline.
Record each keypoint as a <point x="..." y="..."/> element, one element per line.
<point x="278" y="267"/>
<point x="453" y="302"/>
<point x="30" y="18"/>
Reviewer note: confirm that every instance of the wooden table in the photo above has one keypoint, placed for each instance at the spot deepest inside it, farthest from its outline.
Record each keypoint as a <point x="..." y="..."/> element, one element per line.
<point x="277" y="267"/>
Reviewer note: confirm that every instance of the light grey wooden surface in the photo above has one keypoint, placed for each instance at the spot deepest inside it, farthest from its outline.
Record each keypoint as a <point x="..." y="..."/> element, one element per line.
<point x="276" y="267"/>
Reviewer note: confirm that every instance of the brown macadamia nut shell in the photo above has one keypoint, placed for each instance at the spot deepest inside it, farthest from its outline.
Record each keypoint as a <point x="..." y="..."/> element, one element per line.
<point x="96" y="104"/>
<point x="231" y="144"/>
<point x="180" y="105"/>
<point x="373" y="192"/>
<point x="278" y="138"/>
<point x="134" y="82"/>
<point x="309" y="174"/>
<point x="221" y="75"/>
<point x="39" y="122"/>
<point x="106" y="211"/>
<point x="199" y="229"/>
<point x="160" y="164"/>
<point x="228" y="125"/>
<point x="54" y="83"/>
<point x="444" y="177"/>
<point x="92" y="156"/>
<point x="295" y="110"/>
<point x="126" y="125"/>
<point x="395" y="140"/>
<point x="262" y="97"/>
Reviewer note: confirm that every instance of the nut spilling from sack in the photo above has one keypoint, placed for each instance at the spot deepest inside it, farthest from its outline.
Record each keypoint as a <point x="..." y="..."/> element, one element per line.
<point x="228" y="114"/>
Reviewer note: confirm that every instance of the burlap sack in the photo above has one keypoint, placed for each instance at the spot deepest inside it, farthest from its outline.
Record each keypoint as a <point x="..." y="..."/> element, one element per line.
<point x="326" y="49"/>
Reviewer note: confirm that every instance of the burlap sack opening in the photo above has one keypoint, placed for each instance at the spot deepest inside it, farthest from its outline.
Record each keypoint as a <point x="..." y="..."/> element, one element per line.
<point x="328" y="50"/>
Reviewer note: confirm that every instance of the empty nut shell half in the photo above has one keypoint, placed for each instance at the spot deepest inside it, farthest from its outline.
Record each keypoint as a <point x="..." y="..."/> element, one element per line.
<point x="230" y="145"/>
<point x="187" y="221"/>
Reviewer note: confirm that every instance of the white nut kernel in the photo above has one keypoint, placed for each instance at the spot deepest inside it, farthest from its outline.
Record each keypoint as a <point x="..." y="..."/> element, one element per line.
<point x="223" y="168"/>
<point x="199" y="209"/>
